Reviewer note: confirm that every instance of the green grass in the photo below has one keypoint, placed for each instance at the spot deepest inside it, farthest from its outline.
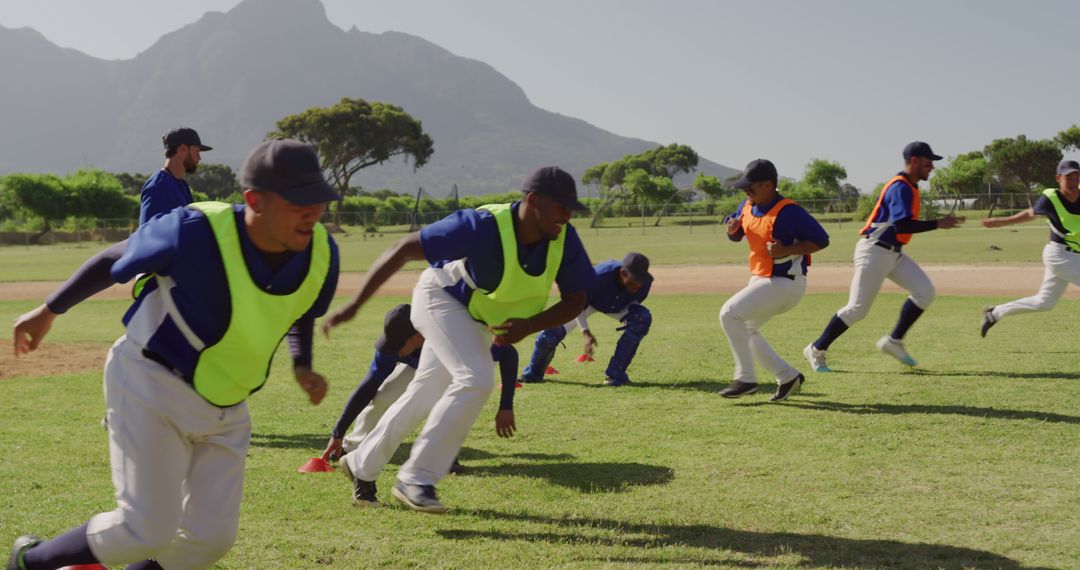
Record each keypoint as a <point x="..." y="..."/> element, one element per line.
<point x="665" y="245"/>
<point x="967" y="462"/>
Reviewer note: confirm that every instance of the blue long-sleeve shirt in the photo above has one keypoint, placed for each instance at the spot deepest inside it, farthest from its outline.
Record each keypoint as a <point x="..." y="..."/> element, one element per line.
<point x="607" y="295"/>
<point x="162" y="194"/>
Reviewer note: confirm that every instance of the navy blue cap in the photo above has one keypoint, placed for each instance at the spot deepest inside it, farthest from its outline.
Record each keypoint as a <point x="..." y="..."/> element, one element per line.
<point x="288" y="168"/>
<point x="555" y="183"/>
<point x="1067" y="167"/>
<point x="919" y="148"/>
<point x="637" y="265"/>
<point x="183" y="135"/>
<point x="758" y="170"/>
<point x="397" y="330"/>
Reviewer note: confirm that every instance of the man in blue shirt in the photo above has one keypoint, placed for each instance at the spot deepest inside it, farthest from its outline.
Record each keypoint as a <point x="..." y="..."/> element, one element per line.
<point x="397" y="354"/>
<point x="167" y="188"/>
<point x="879" y="256"/>
<point x="491" y="273"/>
<point x="229" y="282"/>
<point x="618" y="291"/>
<point x="781" y="236"/>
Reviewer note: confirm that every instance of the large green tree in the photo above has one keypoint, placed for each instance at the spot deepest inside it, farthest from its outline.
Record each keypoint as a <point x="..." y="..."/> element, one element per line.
<point x="42" y="195"/>
<point x="663" y="161"/>
<point x="1069" y="139"/>
<point x="1022" y="163"/>
<point x="217" y="181"/>
<point x="965" y="174"/>
<point x="353" y="134"/>
<point x="94" y="193"/>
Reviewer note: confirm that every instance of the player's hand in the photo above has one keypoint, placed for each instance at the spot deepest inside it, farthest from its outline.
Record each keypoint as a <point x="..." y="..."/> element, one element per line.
<point x="949" y="222"/>
<point x="777" y="249"/>
<point x="339" y="317"/>
<point x="504" y="423"/>
<point x="733" y="226"/>
<point x="312" y="382"/>
<point x="590" y="343"/>
<point x="333" y="448"/>
<point x="511" y="331"/>
<point x="30" y="328"/>
<point x="991" y="223"/>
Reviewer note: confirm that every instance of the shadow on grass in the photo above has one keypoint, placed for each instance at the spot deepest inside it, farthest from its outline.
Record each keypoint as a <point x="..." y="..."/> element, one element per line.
<point x="313" y="441"/>
<point x="992" y="373"/>
<point x="815" y="550"/>
<point x="708" y="386"/>
<point x="693" y="222"/>
<point x="898" y="409"/>
<point x="585" y="477"/>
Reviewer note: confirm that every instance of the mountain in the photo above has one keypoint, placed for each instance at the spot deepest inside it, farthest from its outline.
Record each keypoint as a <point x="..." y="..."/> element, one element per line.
<point x="232" y="75"/>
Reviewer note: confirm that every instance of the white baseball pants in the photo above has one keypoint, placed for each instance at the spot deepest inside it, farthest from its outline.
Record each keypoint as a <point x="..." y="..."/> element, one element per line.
<point x="454" y="378"/>
<point x="177" y="465"/>
<point x="392" y="389"/>
<point x="1061" y="268"/>
<point x="873" y="264"/>
<point x="742" y="317"/>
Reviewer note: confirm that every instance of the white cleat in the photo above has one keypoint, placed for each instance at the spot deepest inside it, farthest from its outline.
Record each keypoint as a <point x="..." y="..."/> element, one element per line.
<point x="816" y="358"/>
<point x="895" y="349"/>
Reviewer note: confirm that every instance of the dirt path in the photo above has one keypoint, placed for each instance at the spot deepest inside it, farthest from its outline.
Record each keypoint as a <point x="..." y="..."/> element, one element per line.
<point x="987" y="280"/>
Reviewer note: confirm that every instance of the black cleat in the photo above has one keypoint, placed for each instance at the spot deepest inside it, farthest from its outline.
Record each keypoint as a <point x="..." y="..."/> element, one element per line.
<point x="418" y="498"/>
<point x="736" y="389"/>
<point x="363" y="491"/>
<point x="785" y="390"/>
<point x="531" y="380"/>
<point x="988" y="320"/>
<point x="457" y="468"/>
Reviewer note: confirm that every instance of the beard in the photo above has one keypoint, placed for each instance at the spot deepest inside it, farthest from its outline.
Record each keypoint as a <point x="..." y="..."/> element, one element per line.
<point x="190" y="166"/>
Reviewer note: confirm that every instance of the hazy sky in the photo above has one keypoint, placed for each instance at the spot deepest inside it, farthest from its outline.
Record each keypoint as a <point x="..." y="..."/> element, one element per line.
<point x="790" y="80"/>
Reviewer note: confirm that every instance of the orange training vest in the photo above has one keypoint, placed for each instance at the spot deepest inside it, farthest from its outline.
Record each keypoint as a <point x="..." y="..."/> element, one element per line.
<point x="759" y="231"/>
<point x="902" y="238"/>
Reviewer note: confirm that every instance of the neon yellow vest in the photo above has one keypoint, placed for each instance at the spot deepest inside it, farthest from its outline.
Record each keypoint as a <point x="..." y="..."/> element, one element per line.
<point x="518" y="294"/>
<point x="237" y="365"/>
<point x="1069" y="220"/>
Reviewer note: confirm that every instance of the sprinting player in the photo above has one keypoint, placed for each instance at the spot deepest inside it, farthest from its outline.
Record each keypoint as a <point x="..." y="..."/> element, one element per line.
<point x="781" y="236"/>
<point x="879" y="255"/>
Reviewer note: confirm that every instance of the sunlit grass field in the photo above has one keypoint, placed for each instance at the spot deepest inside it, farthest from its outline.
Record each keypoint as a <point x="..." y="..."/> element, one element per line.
<point x="969" y="461"/>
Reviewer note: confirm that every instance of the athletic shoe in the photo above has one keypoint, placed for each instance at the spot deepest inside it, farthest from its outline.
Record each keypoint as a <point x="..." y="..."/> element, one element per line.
<point x="816" y="358"/>
<point x="418" y="498"/>
<point x="524" y="380"/>
<point x="364" y="492"/>
<point x="22" y="544"/>
<point x="988" y="320"/>
<point x="457" y="468"/>
<point x="785" y="390"/>
<point x="609" y="381"/>
<point x="895" y="349"/>
<point x="736" y="389"/>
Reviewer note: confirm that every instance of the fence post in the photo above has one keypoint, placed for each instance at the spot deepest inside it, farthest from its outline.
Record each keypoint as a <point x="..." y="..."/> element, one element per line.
<point x="643" y="219"/>
<point x="691" y="220"/>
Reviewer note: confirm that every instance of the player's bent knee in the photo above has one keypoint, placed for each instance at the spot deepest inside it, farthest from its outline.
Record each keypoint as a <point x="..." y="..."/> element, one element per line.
<point x="638" y="320"/>
<point x="550" y="338"/>
<point x="851" y="315"/>
<point x="924" y="297"/>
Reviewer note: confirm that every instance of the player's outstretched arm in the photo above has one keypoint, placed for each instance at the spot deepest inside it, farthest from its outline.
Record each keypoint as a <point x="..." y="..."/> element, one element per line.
<point x="31" y="327"/>
<point x="311" y="382"/>
<point x="1017" y="218"/>
<point x="949" y="222"/>
<point x="389" y="263"/>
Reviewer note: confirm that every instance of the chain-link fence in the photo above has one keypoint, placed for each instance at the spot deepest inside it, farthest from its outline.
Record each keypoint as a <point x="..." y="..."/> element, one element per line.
<point x="672" y="217"/>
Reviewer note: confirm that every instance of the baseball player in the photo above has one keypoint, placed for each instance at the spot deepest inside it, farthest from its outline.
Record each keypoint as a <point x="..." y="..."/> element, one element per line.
<point x="618" y="291"/>
<point x="491" y="273"/>
<point x="879" y="255"/>
<point x="167" y="188"/>
<point x="781" y="236"/>
<point x="1061" y="255"/>
<point x="231" y="281"/>
<point x="397" y="353"/>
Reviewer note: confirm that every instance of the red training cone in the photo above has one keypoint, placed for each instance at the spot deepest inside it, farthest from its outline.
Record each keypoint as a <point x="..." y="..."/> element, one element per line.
<point x="551" y="370"/>
<point x="315" y="465"/>
<point x="585" y="358"/>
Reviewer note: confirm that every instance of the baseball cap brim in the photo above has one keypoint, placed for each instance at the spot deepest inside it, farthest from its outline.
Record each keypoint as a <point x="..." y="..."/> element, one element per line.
<point x="742" y="183"/>
<point x="315" y="193"/>
<point x="570" y="203"/>
<point x="643" y="278"/>
<point x="934" y="157"/>
<point x="205" y="148"/>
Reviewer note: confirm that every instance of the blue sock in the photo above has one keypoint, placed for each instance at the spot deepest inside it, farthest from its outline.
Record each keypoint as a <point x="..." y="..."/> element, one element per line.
<point x="67" y="549"/>
<point x="833" y="330"/>
<point x="909" y="313"/>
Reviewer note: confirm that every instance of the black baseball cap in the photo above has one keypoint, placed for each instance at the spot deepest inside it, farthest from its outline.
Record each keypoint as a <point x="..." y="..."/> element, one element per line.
<point x="555" y="183"/>
<point x="637" y="265"/>
<point x="183" y="135"/>
<point x="1067" y="167"/>
<point x="919" y="148"/>
<point x="397" y="330"/>
<point x="758" y="170"/>
<point x="288" y="168"/>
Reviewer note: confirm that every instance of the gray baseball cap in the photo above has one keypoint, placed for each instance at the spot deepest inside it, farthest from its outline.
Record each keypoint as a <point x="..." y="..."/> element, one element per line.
<point x="288" y="168"/>
<point x="1068" y="167"/>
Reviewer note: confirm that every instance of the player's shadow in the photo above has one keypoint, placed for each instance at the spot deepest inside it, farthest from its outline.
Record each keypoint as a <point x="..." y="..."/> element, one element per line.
<point x="992" y="373"/>
<point x="705" y="385"/>
<point x="924" y="409"/>
<point x="314" y="441"/>
<point x="656" y="542"/>
<point x="584" y="477"/>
